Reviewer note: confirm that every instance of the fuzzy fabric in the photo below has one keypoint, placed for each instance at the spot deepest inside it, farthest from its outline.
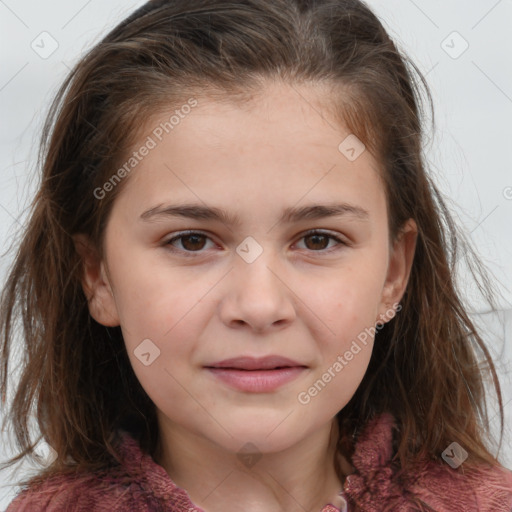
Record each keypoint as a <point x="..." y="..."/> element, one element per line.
<point x="141" y="485"/>
<point x="376" y="487"/>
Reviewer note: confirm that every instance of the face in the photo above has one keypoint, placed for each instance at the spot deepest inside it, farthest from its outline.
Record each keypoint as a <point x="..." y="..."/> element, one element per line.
<point x="252" y="282"/>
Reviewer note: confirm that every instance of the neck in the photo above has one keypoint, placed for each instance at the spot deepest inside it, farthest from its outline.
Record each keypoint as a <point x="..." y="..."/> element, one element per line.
<point x="302" y="477"/>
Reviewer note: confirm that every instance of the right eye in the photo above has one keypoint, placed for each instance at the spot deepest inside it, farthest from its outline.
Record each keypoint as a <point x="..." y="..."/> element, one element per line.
<point x="191" y="242"/>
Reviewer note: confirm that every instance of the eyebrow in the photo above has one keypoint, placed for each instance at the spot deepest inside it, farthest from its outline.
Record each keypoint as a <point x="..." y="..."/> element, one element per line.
<point x="290" y="215"/>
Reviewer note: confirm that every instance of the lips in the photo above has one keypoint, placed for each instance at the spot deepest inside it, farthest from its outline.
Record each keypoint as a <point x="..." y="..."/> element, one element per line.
<point x="251" y="364"/>
<point x="256" y="375"/>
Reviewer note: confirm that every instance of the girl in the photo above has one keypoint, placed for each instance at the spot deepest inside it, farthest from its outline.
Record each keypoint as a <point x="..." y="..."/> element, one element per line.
<point x="236" y="285"/>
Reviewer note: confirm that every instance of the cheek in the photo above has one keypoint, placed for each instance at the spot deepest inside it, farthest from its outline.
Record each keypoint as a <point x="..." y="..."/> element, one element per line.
<point x="344" y="303"/>
<point x="161" y="357"/>
<point x="334" y="383"/>
<point x="160" y="325"/>
<point x="346" y="307"/>
<point x="157" y="301"/>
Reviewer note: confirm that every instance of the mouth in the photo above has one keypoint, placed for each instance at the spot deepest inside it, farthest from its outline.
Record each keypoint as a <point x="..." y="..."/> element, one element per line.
<point x="249" y="363"/>
<point x="256" y="375"/>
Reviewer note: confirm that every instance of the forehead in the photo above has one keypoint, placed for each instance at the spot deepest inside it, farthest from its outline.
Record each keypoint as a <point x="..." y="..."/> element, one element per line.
<point x="282" y="145"/>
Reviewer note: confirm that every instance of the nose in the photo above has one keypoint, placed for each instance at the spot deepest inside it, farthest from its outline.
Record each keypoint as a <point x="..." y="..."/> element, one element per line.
<point x="257" y="295"/>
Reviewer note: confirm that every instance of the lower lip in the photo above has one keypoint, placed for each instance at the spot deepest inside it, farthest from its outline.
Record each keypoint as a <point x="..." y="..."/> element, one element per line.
<point x="257" y="381"/>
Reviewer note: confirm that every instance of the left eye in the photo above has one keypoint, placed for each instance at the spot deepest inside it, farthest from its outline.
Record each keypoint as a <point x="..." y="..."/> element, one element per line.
<point x="320" y="237"/>
<point x="194" y="241"/>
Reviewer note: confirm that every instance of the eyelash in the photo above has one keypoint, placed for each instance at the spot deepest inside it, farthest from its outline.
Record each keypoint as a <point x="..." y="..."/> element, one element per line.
<point x="185" y="234"/>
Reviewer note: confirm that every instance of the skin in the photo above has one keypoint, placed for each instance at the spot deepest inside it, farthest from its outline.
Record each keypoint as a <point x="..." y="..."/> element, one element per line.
<point x="303" y="298"/>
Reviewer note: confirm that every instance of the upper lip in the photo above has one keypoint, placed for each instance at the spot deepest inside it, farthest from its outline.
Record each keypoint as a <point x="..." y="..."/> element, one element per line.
<point x="255" y="363"/>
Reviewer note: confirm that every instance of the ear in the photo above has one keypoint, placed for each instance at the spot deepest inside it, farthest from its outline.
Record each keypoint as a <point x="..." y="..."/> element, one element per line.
<point x="95" y="283"/>
<point x="399" y="268"/>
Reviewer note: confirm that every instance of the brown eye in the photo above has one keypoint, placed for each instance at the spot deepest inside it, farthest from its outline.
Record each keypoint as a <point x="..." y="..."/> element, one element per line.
<point x="193" y="242"/>
<point x="318" y="241"/>
<point x="190" y="242"/>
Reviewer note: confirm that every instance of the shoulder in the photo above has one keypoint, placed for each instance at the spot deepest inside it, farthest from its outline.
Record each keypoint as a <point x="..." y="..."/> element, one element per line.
<point x="127" y="486"/>
<point x="81" y="494"/>
<point x="431" y="486"/>
<point x="479" y="489"/>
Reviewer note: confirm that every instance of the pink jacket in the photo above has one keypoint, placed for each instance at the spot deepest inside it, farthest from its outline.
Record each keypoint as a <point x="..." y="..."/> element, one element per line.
<point x="141" y="485"/>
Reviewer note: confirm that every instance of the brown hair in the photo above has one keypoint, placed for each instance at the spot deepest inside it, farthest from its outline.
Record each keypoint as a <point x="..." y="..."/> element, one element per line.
<point x="425" y="367"/>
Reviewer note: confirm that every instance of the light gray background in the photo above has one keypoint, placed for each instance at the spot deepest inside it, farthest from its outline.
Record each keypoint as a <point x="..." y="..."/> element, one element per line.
<point x="469" y="151"/>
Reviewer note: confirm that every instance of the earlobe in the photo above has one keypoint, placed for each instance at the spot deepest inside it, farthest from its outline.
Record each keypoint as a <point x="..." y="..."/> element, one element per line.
<point x="399" y="267"/>
<point x="95" y="283"/>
